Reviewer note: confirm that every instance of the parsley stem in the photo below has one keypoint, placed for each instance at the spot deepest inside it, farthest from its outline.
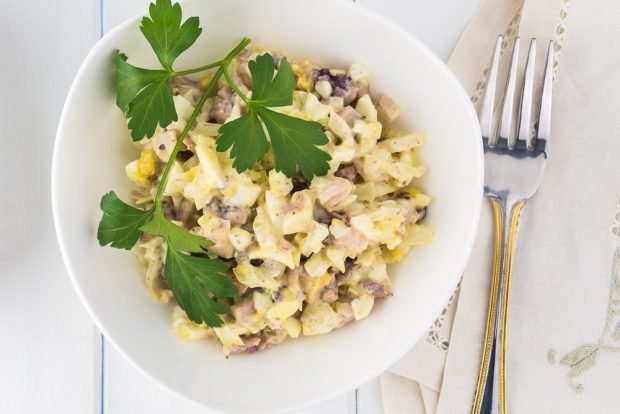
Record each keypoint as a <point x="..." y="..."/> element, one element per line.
<point x="234" y="87"/>
<point x="199" y="69"/>
<point x="238" y="49"/>
<point x="190" y="122"/>
<point x="181" y="137"/>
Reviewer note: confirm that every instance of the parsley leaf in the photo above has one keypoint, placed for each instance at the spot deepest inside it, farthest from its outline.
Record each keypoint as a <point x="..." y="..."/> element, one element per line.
<point x="130" y="80"/>
<point x="247" y="138"/>
<point x="268" y="90"/>
<point x="164" y="31"/>
<point x="144" y="95"/>
<point x="177" y="237"/>
<point x="152" y="106"/>
<point x="188" y="278"/>
<point x="294" y="142"/>
<point x="191" y="277"/>
<point x="120" y="224"/>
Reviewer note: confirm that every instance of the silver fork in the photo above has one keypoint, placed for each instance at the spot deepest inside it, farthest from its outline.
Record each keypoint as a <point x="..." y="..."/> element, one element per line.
<point x="515" y="159"/>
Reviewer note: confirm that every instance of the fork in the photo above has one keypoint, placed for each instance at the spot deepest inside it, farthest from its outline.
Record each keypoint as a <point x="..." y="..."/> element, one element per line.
<point x="515" y="154"/>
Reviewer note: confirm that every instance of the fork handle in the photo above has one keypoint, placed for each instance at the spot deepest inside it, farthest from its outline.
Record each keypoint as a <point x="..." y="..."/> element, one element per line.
<point x="490" y="397"/>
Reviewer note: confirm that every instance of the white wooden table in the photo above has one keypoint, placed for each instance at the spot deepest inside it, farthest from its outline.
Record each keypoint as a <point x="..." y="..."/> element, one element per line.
<point x="52" y="359"/>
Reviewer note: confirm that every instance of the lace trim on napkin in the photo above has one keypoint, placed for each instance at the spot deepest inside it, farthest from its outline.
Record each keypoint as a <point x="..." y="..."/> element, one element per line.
<point x="558" y="37"/>
<point x="585" y="356"/>
<point x="439" y="333"/>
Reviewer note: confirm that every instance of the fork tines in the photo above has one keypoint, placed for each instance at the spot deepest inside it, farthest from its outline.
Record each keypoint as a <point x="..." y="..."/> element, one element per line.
<point x="518" y="135"/>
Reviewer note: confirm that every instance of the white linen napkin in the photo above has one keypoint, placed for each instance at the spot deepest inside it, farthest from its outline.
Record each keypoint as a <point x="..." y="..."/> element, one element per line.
<point x="564" y="320"/>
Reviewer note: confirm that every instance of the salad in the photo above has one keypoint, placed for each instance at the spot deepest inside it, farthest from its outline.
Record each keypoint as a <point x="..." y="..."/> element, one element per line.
<point x="307" y="257"/>
<point x="269" y="196"/>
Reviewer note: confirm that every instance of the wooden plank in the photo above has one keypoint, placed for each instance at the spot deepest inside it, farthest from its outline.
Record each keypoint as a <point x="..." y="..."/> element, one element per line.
<point x="117" y="11"/>
<point x="46" y="351"/>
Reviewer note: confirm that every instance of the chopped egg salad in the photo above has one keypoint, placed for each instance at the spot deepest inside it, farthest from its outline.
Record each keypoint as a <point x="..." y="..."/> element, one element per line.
<point x="307" y="257"/>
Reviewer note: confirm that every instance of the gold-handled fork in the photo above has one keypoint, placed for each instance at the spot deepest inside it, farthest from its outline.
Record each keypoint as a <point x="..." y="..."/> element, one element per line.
<point x="515" y="156"/>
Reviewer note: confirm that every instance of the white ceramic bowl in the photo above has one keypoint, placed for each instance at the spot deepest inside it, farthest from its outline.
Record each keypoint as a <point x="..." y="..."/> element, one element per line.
<point x="93" y="146"/>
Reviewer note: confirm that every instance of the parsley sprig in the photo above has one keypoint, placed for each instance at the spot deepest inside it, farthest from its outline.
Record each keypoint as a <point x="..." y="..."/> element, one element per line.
<point x="198" y="281"/>
<point x="294" y="141"/>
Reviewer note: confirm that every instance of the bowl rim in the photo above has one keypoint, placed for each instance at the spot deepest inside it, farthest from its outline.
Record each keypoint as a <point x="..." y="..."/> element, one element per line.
<point x="389" y="361"/>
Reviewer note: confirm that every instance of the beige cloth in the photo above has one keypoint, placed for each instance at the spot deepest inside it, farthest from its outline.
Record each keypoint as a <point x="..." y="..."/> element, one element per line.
<point x="564" y="322"/>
